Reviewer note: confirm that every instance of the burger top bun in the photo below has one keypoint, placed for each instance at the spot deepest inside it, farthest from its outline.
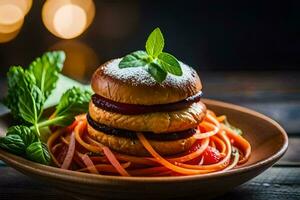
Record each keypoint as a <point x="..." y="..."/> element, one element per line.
<point x="135" y="85"/>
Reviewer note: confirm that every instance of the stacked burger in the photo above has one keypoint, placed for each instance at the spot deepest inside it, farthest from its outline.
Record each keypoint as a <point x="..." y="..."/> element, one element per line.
<point x="128" y="101"/>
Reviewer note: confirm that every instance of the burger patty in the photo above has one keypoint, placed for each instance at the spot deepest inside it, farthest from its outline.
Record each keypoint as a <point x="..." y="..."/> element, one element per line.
<point x="157" y="122"/>
<point x="134" y="147"/>
<point x="135" y="109"/>
<point x="132" y="134"/>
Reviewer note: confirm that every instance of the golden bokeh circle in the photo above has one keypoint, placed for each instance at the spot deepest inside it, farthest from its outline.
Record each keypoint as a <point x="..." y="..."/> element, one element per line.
<point x="68" y="19"/>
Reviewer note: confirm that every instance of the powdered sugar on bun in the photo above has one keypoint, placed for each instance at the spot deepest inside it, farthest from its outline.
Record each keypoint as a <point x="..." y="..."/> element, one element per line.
<point x="139" y="75"/>
<point x="135" y="85"/>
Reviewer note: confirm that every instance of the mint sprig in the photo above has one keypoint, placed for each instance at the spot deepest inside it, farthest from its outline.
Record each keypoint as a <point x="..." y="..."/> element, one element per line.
<point x="155" y="43"/>
<point x="28" y="89"/>
<point x="135" y="59"/>
<point x="156" y="62"/>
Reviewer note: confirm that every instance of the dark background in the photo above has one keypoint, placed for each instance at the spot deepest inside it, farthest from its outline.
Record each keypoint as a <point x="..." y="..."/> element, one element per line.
<point x="241" y="35"/>
<point x="246" y="52"/>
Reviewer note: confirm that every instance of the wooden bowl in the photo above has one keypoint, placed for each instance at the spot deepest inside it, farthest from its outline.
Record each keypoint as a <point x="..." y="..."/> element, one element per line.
<point x="269" y="142"/>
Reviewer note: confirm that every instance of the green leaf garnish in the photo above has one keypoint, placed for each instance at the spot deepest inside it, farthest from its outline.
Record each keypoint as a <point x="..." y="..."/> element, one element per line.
<point x="17" y="82"/>
<point x="155" y="43"/>
<point x="31" y="104"/>
<point x="156" y="62"/>
<point x="46" y="69"/>
<point x="24" y="98"/>
<point x="73" y="102"/>
<point x="24" y="132"/>
<point x="27" y="92"/>
<point x="13" y="143"/>
<point x="233" y="128"/>
<point x="169" y="63"/>
<point x="17" y="139"/>
<point x="38" y="152"/>
<point x="135" y="59"/>
<point x="156" y="72"/>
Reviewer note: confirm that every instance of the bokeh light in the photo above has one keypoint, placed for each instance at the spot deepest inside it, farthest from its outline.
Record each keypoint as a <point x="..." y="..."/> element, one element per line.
<point x="68" y="19"/>
<point x="11" y="18"/>
<point x="6" y="37"/>
<point x="81" y="60"/>
<point x="12" y="13"/>
<point x="24" y="5"/>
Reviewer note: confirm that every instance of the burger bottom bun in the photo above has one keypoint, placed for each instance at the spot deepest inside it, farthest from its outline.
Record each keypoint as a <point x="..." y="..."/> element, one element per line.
<point x="158" y="122"/>
<point x="134" y="147"/>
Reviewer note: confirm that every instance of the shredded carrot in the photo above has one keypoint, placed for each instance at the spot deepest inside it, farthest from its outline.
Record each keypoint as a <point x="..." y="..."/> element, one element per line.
<point x="218" y="166"/>
<point x="123" y="157"/>
<point x="56" y="147"/>
<point x="78" y="134"/>
<point x="89" y="163"/>
<point x="164" y="162"/>
<point x="208" y="126"/>
<point x="112" y="159"/>
<point x="77" y="159"/>
<point x="71" y="127"/>
<point x="50" y="142"/>
<point x="212" y="118"/>
<point x="101" y="159"/>
<point x="235" y="160"/>
<point x="81" y="117"/>
<point x="221" y="118"/>
<point x="72" y="146"/>
<point x="219" y="143"/>
<point x="209" y="112"/>
<point x="240" y="142"/>
<point x="193" y="155"/>
<point x="70" y="153"/>
<point x="212" y="144"/>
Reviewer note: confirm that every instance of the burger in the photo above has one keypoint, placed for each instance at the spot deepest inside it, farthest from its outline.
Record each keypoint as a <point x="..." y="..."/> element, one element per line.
<point x="129" y="101"/>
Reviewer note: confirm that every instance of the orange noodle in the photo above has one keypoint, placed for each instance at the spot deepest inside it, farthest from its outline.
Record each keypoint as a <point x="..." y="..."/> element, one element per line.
<point x="242" y="143"/>
<point x="218" y="166"/>
<point x="112" y="159"/>
<point x="50" y="143"/>
<point x="70" y="154"/>
<point x="164" y="162"/>
<point x="217" y="148"/>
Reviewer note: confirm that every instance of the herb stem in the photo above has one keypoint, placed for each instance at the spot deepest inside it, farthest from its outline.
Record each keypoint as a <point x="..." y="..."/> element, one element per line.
<point x="50" y="121"/>
<point x="37" y="129"/>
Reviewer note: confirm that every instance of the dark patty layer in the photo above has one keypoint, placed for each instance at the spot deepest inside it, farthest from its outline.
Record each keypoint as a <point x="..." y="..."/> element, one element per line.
<point x="134" y="109"/>
<point x="131" y="134"/>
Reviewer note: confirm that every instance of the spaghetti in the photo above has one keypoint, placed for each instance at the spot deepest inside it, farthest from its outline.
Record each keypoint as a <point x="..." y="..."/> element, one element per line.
<point x="218" y="148"/>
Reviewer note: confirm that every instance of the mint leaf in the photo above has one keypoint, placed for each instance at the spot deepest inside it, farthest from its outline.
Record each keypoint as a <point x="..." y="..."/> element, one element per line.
<point x="158" y="63"/>
<point x="46" y="69"/>
<point x="233" y="128"/>
<point x="18" y="82"/>
<point x="155" y="43"/>
<point x="169" y="63"/>
<point x="24" y="98"/>
<point x="13" y="143"/>
<point x="24" y="132"/>
<point x="17" y="139"/>
<point x="135" y="59"/>
<point x="156" y="72"/>
<point x="73" y="102"/>
<point x="38" y="152"/>
<point x="31" y="104"/>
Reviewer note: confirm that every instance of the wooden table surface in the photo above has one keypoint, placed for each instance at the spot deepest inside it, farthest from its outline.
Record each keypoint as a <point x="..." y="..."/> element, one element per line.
<point x="275" y="94"/>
